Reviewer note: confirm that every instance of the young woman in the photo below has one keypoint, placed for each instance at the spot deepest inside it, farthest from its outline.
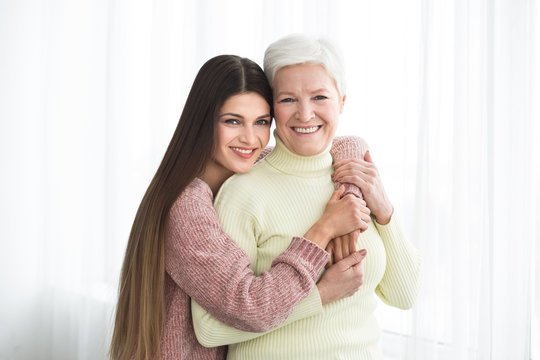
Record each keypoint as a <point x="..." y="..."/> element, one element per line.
<point x="177" y="249"/>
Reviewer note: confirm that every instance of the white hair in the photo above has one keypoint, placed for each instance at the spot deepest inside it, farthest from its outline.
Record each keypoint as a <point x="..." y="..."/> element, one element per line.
<point x="300" y="49"/>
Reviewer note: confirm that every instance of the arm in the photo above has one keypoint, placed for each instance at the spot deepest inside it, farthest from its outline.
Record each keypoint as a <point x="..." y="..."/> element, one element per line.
<point x="214" y="271"/>
<point x="244" y="229"/>
<point x="401" y="281"/>
<point x="347" y="148"/>
<point x="210" y="331"/>
<point x="347" y="274"/>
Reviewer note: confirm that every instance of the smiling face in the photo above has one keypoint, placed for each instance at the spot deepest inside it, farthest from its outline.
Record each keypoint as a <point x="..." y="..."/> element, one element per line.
<point x="242" y="132"/>
<point x="306" y="108"/>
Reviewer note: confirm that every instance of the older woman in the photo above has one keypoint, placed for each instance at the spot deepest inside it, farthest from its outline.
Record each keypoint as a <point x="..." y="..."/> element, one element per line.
<point x="287" y="191"/>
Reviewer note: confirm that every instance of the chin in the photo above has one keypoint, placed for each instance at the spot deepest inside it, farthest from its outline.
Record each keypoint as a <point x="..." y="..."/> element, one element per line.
<point x="242" y="169"/>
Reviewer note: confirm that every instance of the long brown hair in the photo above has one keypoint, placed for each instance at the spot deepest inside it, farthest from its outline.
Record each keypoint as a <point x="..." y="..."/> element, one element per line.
<point x="140" y="311"/>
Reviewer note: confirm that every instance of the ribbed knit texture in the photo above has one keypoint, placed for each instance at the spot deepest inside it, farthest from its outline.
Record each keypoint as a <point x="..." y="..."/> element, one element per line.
<point x="283" y="195"/>
<point x="346" y="148"/>
<point x="204" y="263"/>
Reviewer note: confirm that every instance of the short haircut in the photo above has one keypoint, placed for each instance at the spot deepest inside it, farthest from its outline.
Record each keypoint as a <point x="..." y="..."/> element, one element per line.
<point x="297" y="49"/>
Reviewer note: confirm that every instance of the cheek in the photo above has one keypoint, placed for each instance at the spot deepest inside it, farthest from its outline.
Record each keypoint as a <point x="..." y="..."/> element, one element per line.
<point x="224" y="135"/>
<point x="332" y="115"/>
<point x="280" y="119"/>
<point x="281" y="114"/>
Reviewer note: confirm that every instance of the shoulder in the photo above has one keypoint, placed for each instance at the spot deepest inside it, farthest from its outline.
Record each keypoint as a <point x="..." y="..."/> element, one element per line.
<point x="196" y="197"/>
<point x="241" y="191"/>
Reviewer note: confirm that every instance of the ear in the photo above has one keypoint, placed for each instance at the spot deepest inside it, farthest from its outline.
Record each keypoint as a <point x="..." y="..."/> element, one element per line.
<point x="342" y="103"/>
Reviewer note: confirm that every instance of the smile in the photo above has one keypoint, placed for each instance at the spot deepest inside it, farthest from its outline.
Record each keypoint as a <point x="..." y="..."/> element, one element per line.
<point x="246" y="153"/>
<point x="306" y="130"/>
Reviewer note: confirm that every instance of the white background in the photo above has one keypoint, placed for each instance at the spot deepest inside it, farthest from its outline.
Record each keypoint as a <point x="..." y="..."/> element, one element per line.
<point x="445" y="92"/>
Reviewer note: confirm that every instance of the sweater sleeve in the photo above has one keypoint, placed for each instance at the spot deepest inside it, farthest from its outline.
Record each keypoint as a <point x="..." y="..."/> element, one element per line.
<point x="214" y="271"/>
<point x="211" y="332"/>
<point x="348" y="147"/>
<point x="401" y="281"/>
<point x="242" y="228"/>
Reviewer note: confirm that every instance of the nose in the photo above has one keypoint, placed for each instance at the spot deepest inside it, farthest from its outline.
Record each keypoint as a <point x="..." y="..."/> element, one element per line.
<point x="305" y="111"/>
<point x="247" y="135"/>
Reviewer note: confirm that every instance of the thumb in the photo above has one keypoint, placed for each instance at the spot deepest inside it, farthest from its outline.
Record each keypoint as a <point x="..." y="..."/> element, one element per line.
<point x="353" y="259"/>
<point x="367" y="157"/>
<point x="336" y="195"/>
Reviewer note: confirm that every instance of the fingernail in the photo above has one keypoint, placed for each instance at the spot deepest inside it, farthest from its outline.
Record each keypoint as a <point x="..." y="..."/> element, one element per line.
<point x="363" y="252"/>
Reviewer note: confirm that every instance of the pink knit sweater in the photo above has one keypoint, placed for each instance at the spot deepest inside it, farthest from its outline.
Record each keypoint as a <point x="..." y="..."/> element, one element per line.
<point x="202" y="262"/>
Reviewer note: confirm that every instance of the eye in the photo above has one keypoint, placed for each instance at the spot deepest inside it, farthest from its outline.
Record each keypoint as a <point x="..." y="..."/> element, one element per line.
<point x="286" y="100"/>
<point x="263" y="122"/>
<point x="320" y="97"/>
<point x="232" y="121"/>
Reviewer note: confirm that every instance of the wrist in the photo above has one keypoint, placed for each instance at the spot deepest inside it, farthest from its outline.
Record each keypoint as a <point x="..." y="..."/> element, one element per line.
<point x="322" y="293"/>
<point x="384" y="217"/>
<point x="319" y="234"/>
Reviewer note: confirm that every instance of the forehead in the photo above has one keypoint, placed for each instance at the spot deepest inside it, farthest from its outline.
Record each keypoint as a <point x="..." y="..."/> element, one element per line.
<point x="303" y="76"/>
<point x="243" y="100"/>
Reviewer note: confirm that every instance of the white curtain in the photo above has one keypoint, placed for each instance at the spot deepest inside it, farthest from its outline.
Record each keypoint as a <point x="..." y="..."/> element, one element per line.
<point x="445" y="92"/>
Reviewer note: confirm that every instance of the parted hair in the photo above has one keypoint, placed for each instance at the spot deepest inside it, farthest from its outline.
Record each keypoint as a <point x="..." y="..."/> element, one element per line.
<point x="297" y="49"/>
<point x="140" y="310"/>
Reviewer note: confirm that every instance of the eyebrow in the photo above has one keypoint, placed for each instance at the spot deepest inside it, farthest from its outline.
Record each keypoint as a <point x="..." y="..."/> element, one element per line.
<point x="281" y="93"/>
<point x="320" y="90"/>
<point x="241" y="117"/>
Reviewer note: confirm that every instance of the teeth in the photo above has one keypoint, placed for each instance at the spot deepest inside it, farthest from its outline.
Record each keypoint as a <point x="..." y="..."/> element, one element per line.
<point x="306" y="130"/>
<point x="243" y="151"/>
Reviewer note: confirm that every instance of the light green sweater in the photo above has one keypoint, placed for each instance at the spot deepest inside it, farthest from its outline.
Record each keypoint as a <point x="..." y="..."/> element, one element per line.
<point x="283" y="196"/>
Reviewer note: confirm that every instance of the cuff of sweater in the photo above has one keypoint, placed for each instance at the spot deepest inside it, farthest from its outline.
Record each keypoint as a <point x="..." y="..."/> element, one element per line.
<point x="306" y="255"/>
<point x="350" y="189"/>
<point x="348" y="147"/>
<point x="391" y="233"/>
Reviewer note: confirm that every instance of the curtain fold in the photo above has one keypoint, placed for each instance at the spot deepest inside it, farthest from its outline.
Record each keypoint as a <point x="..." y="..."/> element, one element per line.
<point x="445" y="92"/>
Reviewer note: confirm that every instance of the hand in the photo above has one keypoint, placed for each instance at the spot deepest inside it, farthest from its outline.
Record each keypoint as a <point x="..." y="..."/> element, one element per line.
<point x="342" y="246"/>
<point x="342" y="279"/>
<point x="364" y="174"/>
<point x="341" y="216"/>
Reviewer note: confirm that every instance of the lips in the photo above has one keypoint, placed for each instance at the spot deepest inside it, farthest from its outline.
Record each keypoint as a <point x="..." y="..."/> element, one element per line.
<point x="306" y="129"/>
<point x="245" y="153"/>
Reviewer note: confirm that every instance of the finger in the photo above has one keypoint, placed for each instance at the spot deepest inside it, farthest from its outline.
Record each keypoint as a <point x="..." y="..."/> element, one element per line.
<point x="330" y="250"/>
<point x="365" y="217"/>
<point x="367" y="157"/>
<point x="353" y="259"/>
<point x="338" y="254"/>
<point x="363" y="254"/>
<point x="344" y="162"/>
<point x="336" y="195"/>
<point x="346" y="250"/>
<point x="351" y="167"/>
<point x="364" y="173"/>
<point x="353" y="247"/>
<point x="363" y="226"/>
<point x="355" y="180"/>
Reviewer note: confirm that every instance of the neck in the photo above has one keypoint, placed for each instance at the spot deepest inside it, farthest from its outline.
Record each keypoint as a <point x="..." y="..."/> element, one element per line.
<point x="290" y="163"/>
<point x="215" y="175"/>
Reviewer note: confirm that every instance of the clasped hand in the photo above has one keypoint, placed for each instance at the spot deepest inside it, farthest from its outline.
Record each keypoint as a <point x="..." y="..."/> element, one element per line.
<point x="365" y="175"/>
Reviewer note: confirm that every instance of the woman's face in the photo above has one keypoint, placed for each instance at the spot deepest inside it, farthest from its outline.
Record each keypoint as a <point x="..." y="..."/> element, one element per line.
<point x="242" y="132"/>
<point x="307" y="105"/>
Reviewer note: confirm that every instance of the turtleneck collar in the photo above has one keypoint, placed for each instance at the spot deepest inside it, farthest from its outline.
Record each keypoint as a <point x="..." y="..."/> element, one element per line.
<point x="290" y="163"/>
